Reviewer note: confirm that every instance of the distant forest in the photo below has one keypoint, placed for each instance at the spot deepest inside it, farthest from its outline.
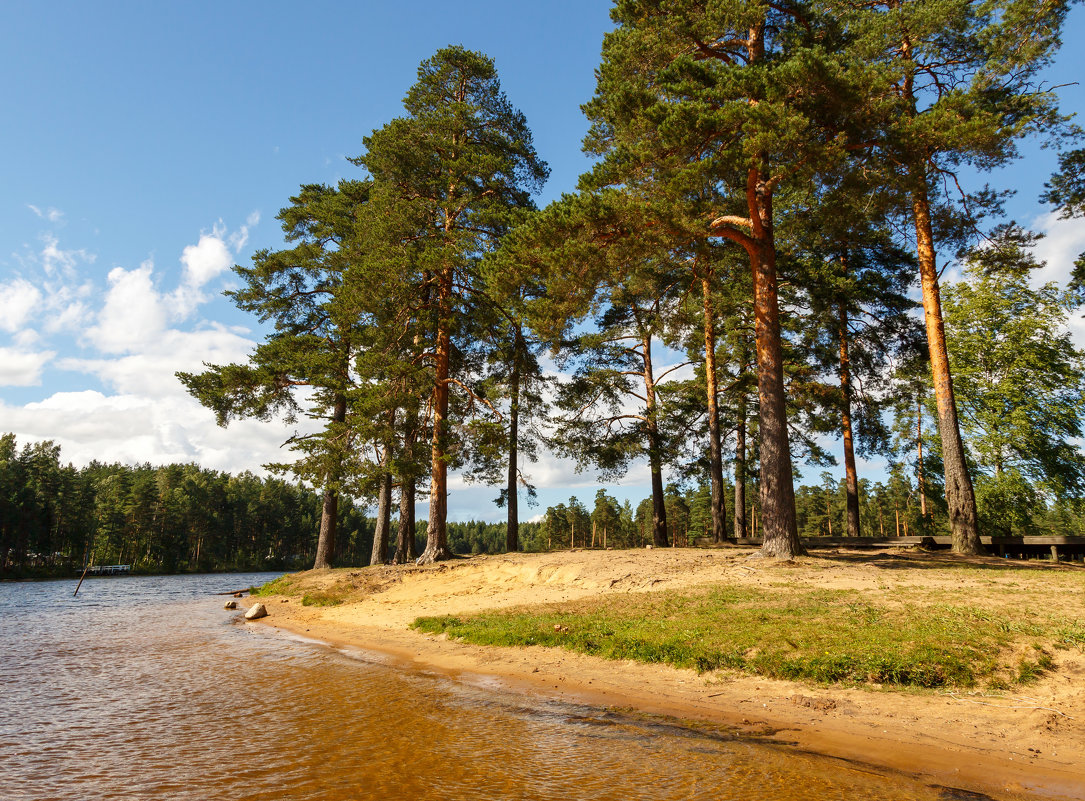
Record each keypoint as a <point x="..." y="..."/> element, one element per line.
<point x="54" y="519"/>
<point x="173" y="519"/>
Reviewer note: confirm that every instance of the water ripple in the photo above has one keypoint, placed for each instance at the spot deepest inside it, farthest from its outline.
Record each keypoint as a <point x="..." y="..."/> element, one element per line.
<point x="138" y="689"/>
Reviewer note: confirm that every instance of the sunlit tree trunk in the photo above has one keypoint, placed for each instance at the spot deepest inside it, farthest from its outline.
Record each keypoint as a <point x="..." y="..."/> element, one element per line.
<point x="960" y="497"/>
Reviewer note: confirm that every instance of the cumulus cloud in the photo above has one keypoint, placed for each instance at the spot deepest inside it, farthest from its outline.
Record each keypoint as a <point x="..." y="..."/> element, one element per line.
<point x="135" y="332"/>
<point x="22" y="368"/>
<point x="90" y="425"/>
<point x="19" y="299"/>
<point x="1063" y="242"/>
<point x="132" y="316"/>
<point x="149" y="370"/>
<point x="207" y="259"/>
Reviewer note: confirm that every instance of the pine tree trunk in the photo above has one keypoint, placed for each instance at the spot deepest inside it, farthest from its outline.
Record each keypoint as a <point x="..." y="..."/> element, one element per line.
<point x="777" y="491"/>
<point x="329" y="512"/>
<point x="960" y="497"/>
<point x="405" y="548"/>
<point x="715" y="445"/>
<point x="851" y="478"/>
<point x="740" y="471"/>
<point x="655" y="455"/>
<point x="436" y="531"/>
<point x="512" y="531"/>
<point x="919" y="462"/>
<point x="384" y="516"/>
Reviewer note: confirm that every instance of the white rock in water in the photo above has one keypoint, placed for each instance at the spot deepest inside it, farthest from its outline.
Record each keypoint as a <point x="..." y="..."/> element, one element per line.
<point x="230" y="605"/>
<point x="256" y="611"/>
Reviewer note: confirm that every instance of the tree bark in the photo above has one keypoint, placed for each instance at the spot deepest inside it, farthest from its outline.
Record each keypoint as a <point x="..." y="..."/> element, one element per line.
<point x="740" y="471"/>
<point x="329" y="512"/>
<point x="851" y="478"/>
<point x="512" y="531"/>
<point x="919" y="462"/>
<point x="655" y="455"/>
<point x="436" y="531"/>
<point x="960" y="497"/>
<point x="715" y="445"/>
<point x="405" y="548"/>
<point x="781" y="537"/>
<point x="383" y="534"/>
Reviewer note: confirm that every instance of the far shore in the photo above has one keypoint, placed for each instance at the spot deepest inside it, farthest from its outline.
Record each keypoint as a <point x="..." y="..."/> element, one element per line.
<point x="1025" y="740"/>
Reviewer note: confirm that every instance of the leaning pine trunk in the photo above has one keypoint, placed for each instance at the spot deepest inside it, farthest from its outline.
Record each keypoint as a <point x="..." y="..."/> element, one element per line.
<point x="960" y="497"/>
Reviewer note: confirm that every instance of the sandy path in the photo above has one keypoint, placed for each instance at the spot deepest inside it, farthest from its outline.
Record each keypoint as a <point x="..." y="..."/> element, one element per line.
<point x="1030" y="741"/>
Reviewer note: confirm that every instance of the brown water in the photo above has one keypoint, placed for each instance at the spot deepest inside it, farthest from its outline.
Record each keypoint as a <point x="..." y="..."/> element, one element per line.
<point x="145" y="688"/>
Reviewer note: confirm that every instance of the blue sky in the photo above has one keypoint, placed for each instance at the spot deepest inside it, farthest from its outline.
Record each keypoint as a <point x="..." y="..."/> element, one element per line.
<point x="148" y="147"/>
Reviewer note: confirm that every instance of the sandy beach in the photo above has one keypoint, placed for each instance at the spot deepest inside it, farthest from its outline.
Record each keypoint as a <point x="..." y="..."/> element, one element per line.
<point x="1026" y="740"/>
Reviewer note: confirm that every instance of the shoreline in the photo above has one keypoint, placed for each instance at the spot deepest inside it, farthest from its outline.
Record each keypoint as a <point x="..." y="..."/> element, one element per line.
<point x="1024" y="745"/>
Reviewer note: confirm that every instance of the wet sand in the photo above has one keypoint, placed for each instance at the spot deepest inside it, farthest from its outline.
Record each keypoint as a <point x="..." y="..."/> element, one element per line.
<point x="1028" y="740"/>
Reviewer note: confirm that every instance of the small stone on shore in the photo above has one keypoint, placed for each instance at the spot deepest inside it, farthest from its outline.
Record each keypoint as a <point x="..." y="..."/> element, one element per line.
<point x="230" y="605"/>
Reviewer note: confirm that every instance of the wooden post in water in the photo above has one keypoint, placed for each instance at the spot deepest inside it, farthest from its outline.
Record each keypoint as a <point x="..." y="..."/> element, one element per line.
<point x="86" y="566"/>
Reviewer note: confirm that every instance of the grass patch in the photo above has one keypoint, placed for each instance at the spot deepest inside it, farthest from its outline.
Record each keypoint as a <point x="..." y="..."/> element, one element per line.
<point x="283" y="585"/>
<point x="827" y="636"/>
<point x="332" y="597"/>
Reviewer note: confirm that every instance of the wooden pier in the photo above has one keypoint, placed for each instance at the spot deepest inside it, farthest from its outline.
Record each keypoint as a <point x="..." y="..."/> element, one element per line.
<point x="109" y="570"/>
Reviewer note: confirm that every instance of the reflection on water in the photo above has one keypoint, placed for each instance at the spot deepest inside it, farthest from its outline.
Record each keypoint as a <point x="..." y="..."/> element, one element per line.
<point x="145" y="688"/>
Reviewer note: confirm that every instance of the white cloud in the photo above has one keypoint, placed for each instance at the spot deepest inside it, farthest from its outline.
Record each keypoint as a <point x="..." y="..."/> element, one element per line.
<point x="207" y="259"/>
<point x="89" y="425"/>
<point x="239" y="238"/>
<point x="1063" y="242"/>
<point x="133" y="316"/>
<point x="51" y="214"/>
<point x="135" y="335"/>
<point x="22" y="368"/>
<point x="58" y="262"/>
<point x="18" y="300"/>
<point x="149" y="372"/>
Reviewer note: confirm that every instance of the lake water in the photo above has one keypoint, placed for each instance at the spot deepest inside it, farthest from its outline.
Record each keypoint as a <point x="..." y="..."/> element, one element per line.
<point x="145" y="688"/>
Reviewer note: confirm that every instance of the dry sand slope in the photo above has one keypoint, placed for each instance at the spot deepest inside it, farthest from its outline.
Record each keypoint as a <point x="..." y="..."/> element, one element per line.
<point x="1030" y="739"/>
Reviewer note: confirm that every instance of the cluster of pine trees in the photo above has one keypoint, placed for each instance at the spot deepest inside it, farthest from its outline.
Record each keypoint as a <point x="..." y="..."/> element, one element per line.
<point x="54" y="518"/>
<point x="771" y="180"/>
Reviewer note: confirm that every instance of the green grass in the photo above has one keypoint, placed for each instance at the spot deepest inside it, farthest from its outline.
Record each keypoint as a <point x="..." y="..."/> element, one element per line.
<point x="283" y="585"/>
<point x="324" y="598"/>
<point x="827" y="636"/>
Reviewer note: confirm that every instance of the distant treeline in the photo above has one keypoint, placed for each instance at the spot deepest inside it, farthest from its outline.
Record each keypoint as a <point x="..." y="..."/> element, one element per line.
<point x="54" y="519"/>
